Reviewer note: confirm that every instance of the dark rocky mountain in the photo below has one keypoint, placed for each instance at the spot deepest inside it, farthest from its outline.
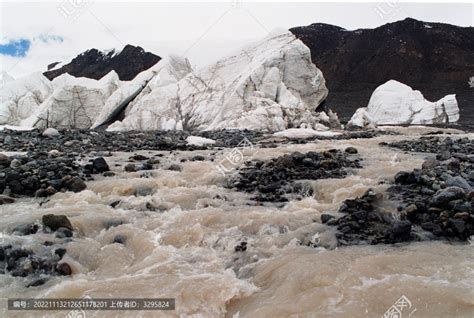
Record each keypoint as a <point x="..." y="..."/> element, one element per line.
<point x="95" y="64"/>
<point x="435" y="58"/>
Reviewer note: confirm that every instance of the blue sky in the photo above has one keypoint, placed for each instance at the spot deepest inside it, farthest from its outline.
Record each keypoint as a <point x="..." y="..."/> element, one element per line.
<point x="20" y="47"/>
<point x="15" y="48"/>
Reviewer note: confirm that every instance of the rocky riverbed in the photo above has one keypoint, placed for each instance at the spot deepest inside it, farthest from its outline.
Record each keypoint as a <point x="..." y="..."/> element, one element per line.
<point x="220" y="226"/>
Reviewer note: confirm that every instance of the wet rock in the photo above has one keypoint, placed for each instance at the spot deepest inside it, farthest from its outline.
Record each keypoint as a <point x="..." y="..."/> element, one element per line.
<point x="120" y="239"/>
<point x="63" y="232"/>
<point x="442" y="197"/>
<point x="4" y="199"/>
<point x="4" y="161"/>
<point x="41" y="193"/>
<point x="325" y="218"/>
<point x="445" y="155"/>
<point x="26" y="229"/>
<point x="143" y="191"/>
<point x="112" y="223"/>
<point x="430" y="163"/>
<point x="351" y="150"/>
<point x="433" y="228"/>
<point x="280" y="179"/>
<point x="115" y="203"/>
<point x="54" y="222"/>
<point x="139" y="157"/>
<point x="174" y="167"/>
<point x="8" y="140"/>
<point x="130" y="167"/>
<point x="50" y="132"/>
<point x="198" y="158"/>
<point x="401" y="231"/>
<point x="146" y="166"/>
<point x="404" y="177"/>
<point x="75" y="184"/>
<point x="242" y="247"/>
<point x="64" y="269"/>
<point x="460" y="182"/>
<point x="60" y="252"/>
<point x="37" y="282"/>
<point x="108" y="174"/>
<point x="100" y="165"/>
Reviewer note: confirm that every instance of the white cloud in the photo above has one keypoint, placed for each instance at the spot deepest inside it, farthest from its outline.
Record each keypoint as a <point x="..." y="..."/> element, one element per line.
<point x="204" y="31"/>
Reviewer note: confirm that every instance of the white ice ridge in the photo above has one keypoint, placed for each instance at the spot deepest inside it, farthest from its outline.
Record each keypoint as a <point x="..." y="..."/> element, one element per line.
<point x="165" y="73"/>
<point x="269" y="85"/>
<point x="394" y="103"/>
<point x="20" y="98"/>
<point x="74" y="103"/>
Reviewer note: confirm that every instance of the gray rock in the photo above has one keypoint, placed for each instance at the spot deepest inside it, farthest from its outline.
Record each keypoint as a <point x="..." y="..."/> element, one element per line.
<point x="430" y="163"/>
<point x="130" y="167"/>
<point x="444" y="196"/>
<point x="351" y="150"/>
<point x="15" y="163"/>
<point x="8" y="140"/>
<point x="458" y="182"/>
<point x="174" y="167"/>
<point x="143" y="191"/>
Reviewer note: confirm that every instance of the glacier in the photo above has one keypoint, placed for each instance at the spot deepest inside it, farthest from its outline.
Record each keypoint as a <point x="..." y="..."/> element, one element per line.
<point x="74" y="103"/>
<point x="269" y="85"/>
<point x="394" y="103"/>
<point x="20" y="97"/>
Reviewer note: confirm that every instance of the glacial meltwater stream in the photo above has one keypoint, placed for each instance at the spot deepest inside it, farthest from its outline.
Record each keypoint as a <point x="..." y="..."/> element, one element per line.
<point x="179" y="242"/>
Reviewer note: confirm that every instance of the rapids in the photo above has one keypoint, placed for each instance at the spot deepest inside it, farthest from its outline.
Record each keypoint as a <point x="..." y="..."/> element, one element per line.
<point x="180" y="243"/>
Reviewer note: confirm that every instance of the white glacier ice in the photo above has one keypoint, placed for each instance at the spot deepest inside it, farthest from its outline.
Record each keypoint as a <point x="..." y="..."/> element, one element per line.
<point x="74" y="103"/>
<point x="20" y="97"/>
<point x="361" y="119"/>
<point x="395" y="103"/>
<point x="199" y="141"/>
<point x="5" y="77"/>
<point x="165" y="73"/>
<point x="269" y="85"/>
<point x="297" y="133"/>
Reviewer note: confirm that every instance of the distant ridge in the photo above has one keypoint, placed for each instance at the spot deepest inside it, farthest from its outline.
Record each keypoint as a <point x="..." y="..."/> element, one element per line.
<point x="95" y="64"/>
<point x="435" y="58"/>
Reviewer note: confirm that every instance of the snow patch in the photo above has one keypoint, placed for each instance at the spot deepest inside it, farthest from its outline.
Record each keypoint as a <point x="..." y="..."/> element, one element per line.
<point x="199" y="141"/>
<point x="304" y="133"/>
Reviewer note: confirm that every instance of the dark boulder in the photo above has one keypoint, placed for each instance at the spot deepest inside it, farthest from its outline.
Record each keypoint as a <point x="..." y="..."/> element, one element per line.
<point x="54" y="222"/>
<point x="401" y="231"/>
<point x="4" y="161"/>
<point x="75" y="184"/>
<point x="4" y="199"/>
<point x="64" y="269"/>
<point x="100" y="165"/>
